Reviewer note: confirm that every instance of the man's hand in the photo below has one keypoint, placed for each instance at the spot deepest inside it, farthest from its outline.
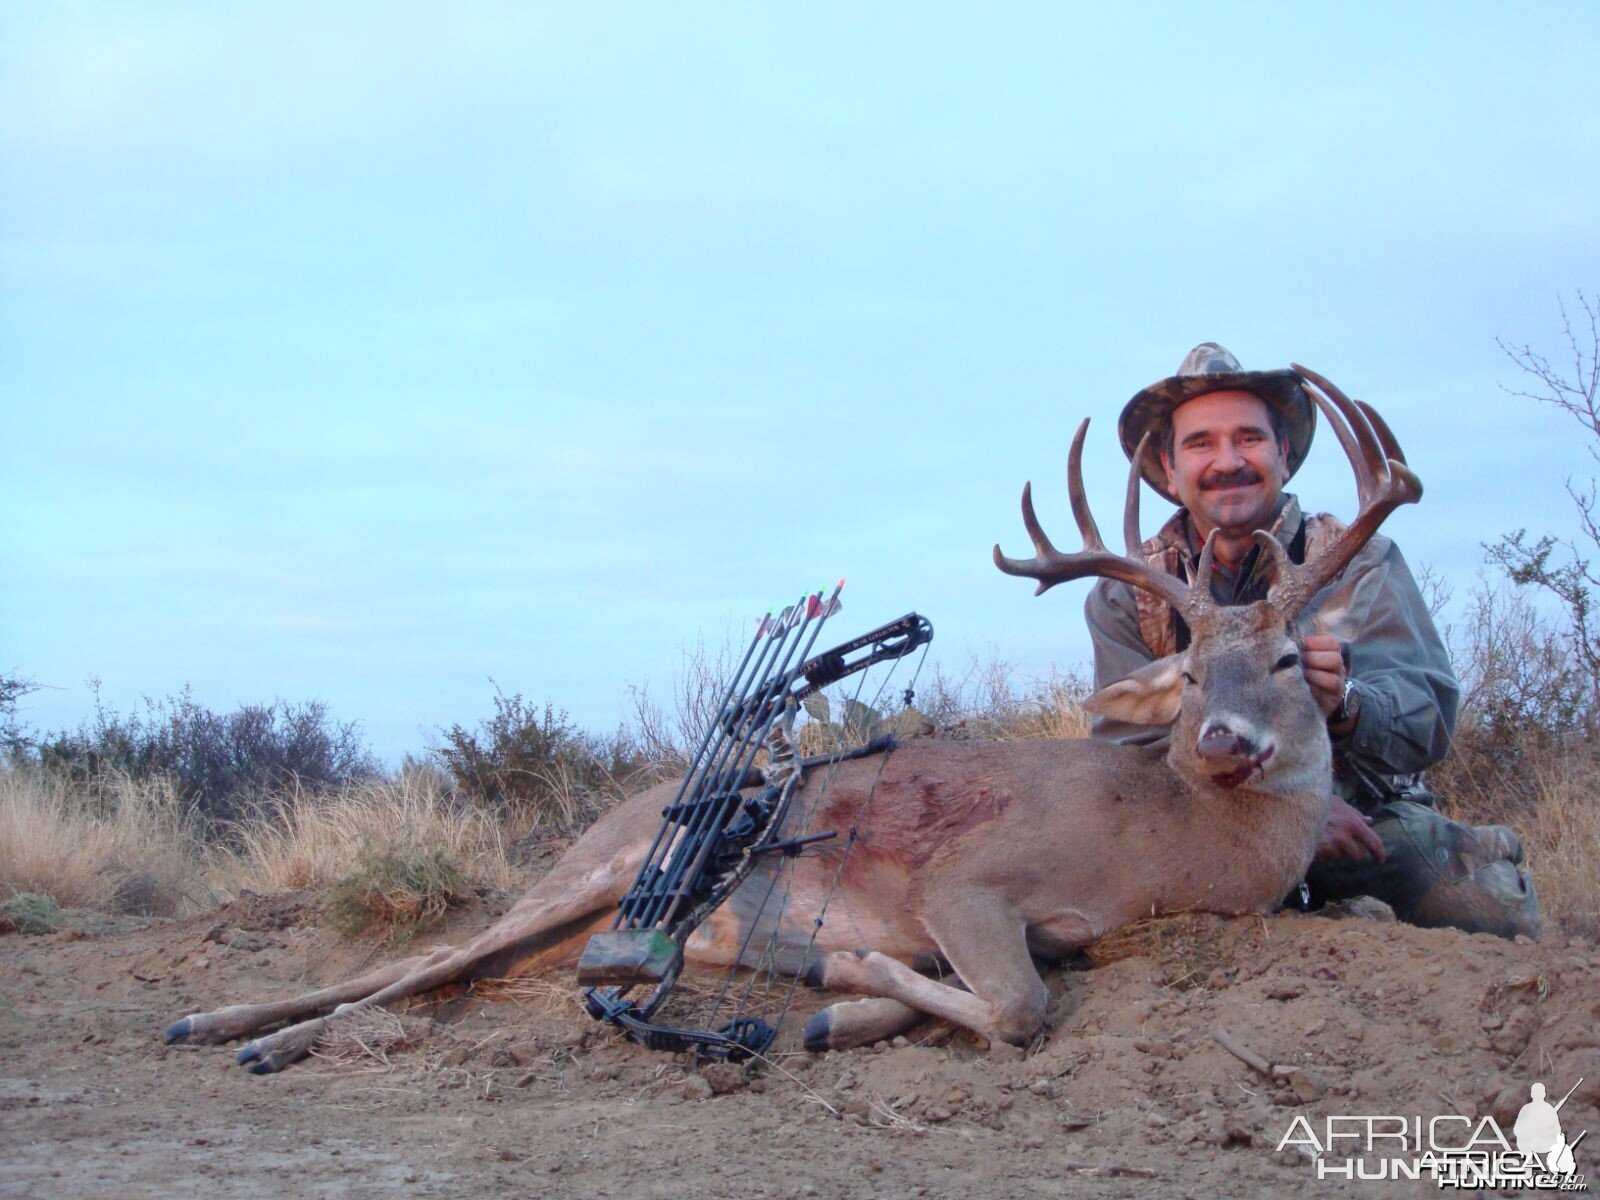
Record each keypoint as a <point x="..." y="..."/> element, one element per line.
<point x="1322" y="660"/>
<point x="1348" y="837"/>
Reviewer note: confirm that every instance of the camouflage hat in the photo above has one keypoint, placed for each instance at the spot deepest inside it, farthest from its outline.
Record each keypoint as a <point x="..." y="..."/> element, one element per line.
<point x="1210" y="368"/>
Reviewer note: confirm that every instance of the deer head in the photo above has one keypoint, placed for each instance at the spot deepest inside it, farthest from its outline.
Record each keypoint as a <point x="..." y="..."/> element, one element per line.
<point x="1237" y="699"/>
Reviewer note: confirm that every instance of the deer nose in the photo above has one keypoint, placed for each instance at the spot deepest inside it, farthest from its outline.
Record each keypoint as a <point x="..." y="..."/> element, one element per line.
<point x="1219" y="741"/>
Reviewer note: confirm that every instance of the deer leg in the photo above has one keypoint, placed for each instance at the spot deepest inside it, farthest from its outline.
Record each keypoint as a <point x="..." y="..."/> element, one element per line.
<point x="557" y="909"/>
<point x="859" y="1023"/>
<point x="225" y="1024"/>
<point x="436" y="970"/>
<point x="988" y="949"/>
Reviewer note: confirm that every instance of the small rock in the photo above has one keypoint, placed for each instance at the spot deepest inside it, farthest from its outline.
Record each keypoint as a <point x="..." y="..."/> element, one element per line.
<point x="1292" y="990"/>
<point x="1237" y="1132"/>
<point x="724" y="1077"/>
<point x="1518" y="1031"/>
<point x="1308" y="1086"/>
<point x="697" y="1087"/>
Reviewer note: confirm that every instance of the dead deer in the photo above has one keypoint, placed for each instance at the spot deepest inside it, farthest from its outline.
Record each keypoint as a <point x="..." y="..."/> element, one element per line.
<point x="979" y="856"/>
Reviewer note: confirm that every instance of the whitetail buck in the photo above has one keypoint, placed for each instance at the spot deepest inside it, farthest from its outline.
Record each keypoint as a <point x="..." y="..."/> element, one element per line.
<point x="982" y="855"/>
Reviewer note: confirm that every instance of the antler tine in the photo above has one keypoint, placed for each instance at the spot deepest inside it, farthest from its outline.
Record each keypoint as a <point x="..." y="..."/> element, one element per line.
<point x="1130" y="507"/>
<point x="1049" y="566"/>
<point x="1203" y="569"/>
<point x="1391" y="447"/>
<point x="1349" y="425"/>
<point x="1080" y="502"/>
<point x="1283" y="568"/>
<point x="1383" y="483"/>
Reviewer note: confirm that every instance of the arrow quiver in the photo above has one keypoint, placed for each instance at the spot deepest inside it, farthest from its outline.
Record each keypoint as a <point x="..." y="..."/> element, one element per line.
<point x="726" y="814"/>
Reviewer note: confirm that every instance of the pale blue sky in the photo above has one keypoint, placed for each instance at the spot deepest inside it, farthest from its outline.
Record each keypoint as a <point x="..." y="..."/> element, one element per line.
<point x="362" y="353"/>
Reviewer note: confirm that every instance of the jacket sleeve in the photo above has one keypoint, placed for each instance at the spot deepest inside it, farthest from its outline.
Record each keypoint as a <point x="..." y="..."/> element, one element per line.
<point x="1409" y="692"/>
<point x="1119" y="651"/>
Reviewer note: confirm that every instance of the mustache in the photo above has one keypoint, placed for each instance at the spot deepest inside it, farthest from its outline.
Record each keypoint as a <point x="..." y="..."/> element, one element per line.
<point x="1242" y="477"/>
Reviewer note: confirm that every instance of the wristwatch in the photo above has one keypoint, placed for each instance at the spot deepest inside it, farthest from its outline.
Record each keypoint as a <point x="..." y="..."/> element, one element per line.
<point x="1349" y="710"/>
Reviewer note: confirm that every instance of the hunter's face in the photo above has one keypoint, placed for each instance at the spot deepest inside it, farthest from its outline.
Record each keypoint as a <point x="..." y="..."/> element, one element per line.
<point x="1226" y="466"/>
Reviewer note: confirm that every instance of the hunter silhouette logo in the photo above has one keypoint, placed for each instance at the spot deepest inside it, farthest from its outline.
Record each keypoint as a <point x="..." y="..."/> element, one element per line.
<point x="1538" y="1132"/>
<point x="1453" y="1150"/>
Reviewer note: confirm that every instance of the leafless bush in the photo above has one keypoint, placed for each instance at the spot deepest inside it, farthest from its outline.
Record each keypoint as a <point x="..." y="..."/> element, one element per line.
<point x="990" y="699"/>
<point x="1523" y="700"/>
<point x="1562" y="567"/>
<point x="535" y="764"/>
<point x="668" y="739"/>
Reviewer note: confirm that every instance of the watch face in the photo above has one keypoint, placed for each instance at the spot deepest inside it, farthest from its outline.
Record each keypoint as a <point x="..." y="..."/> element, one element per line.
<point x="1350" y="702"/>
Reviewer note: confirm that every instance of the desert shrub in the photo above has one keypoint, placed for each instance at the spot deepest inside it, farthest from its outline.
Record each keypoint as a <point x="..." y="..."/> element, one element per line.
<point x="30" y="912"/>
<point x="400" y="885"/>
<point x="533" y="763"/>
<point x="1523" y="699"/>
<point x="221" y="763"/>
<point x="14" y="741"/>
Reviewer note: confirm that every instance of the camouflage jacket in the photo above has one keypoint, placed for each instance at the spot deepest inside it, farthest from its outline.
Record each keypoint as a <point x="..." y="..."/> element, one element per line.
<point x="1408" y="690"/>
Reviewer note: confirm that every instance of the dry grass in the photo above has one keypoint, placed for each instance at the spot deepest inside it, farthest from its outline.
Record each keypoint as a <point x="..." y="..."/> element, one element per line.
<point x="121" y="845"/>
<point x="990" y="700"/>
<point x="315" y="841"/>
<point x="126" y="846"/>
<point x="368" y="1036"/>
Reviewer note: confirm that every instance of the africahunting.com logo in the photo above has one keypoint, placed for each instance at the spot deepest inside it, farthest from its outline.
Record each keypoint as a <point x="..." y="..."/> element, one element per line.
<point x="1453" y="1150"/>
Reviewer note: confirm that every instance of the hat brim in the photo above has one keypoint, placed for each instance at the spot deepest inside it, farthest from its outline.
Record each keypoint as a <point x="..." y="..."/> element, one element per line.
<point x="1152" y="407"/>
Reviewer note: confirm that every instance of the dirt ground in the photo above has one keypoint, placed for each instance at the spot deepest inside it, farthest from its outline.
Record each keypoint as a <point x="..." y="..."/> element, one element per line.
<point x="513" y="1091"/>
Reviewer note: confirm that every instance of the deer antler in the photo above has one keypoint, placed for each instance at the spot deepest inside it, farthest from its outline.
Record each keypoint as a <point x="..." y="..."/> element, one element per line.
<point x="1049" y="566"/>
<point x="1383" y="483"/>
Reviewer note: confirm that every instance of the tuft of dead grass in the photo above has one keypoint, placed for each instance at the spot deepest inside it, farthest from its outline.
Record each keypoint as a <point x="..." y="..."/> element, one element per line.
<point x="992" y="700"/>
<point x="100" y="848"/>
<point x="1189" y="946"/>
<point x="368" y="1036"/>
<point x="400" y="885"/>
<point x="316" y="841"/>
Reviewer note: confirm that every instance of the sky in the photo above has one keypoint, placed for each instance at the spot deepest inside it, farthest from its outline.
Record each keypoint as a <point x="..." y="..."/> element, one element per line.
<point x="370" y="353"/>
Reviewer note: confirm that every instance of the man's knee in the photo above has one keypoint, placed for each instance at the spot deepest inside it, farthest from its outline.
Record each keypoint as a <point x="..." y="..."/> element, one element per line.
<point x="1439" y="872"/>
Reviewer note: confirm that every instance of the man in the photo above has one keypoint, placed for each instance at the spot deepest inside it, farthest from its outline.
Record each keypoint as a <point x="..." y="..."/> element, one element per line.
<point x="1224" y="443"/>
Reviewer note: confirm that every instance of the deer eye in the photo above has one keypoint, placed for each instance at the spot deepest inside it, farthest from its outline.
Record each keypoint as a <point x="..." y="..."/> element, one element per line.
<point x="1190" y="679"/>
<point x="1290" y="659"/>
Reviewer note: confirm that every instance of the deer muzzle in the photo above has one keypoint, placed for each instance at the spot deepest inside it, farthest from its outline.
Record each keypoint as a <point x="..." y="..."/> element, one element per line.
<point x="1230" y="756"/>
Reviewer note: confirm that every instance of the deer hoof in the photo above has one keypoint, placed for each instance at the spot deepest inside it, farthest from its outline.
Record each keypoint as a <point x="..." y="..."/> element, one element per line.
<point x="179" y="1030"/>
<point x="260" y="1060"/>
<point x="819" y="1033"/>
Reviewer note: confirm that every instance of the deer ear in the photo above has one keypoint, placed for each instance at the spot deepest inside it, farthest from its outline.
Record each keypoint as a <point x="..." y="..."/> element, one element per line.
<point x="1340" y="609"/>
<point x="1150" y="696"/>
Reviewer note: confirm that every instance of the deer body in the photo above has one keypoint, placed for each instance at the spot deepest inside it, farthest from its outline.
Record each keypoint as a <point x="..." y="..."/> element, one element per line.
<point x="973" y="857"/>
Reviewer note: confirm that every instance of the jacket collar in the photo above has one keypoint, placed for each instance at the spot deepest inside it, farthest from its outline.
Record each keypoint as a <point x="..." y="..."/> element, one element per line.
<point x="1229" y="587"/>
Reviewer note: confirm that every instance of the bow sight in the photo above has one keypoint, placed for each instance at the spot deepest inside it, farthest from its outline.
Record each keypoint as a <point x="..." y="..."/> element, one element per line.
<point x="726" y="814"/>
